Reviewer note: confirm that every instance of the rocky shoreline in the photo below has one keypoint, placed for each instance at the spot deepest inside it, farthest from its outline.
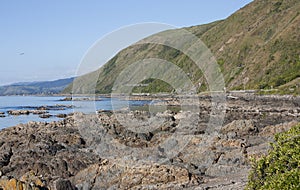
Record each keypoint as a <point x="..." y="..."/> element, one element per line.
<point x="42" y="111"/>
<point x="118" y="150"/>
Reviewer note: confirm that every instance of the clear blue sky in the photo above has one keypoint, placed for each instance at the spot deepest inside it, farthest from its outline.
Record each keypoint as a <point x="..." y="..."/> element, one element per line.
<point x="55" y="34"/>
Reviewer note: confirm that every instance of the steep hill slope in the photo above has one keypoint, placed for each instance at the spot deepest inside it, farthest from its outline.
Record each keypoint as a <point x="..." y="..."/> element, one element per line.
<point x="256" y="48"/>
<point x="259" y="42"/>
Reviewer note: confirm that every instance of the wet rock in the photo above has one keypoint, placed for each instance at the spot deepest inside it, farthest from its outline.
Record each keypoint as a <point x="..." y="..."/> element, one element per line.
<point x="2" y="114"/>
<point x="81" y="99"/>
<point x="66" y="99"/>
<point x="26" y="112"/>
<point x="38" y="112"/>
<point x="18" y="112"/>
<point x="45" y="116"/>
<point x="55" y="107"/>
<point x="61" y="115"/>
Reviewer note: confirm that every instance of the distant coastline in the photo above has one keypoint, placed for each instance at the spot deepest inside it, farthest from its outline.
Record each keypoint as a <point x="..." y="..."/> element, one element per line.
<point x="46" y="88"/>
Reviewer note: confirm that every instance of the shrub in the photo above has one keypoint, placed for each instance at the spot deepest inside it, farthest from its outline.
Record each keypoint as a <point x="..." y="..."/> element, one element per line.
<point x="280" y="169"/>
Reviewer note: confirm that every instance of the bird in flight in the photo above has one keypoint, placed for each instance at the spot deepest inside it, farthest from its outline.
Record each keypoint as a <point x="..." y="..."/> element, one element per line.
<point x="22" y="53"/>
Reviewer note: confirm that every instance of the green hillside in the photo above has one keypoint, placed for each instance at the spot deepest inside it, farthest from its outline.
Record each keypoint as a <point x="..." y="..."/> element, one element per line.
<point x="257" y="48"/>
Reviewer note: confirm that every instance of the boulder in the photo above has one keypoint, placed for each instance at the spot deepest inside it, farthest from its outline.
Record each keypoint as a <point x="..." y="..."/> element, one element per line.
<point x="61" y="115"/>
<point x="63" y="184"/>
<point x="238" y="128"/>
<point x="113" y="174"/>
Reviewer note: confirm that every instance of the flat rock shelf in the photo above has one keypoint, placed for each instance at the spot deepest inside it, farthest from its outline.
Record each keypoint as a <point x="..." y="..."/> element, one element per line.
<point x="68" y="154"/>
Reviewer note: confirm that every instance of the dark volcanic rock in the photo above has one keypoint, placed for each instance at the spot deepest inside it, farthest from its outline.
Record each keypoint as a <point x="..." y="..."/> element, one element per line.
<point x="6" y="154"/>
<point x="66" y="99"/>
<point x="62" y="184"/>
<point x="42" y="110"/>
<point x="61" y="115"/>
<point x="18" y="112"/>
<point x="142" y="150"/>
<point x="55" y="107"/>
<point x="44" y="116"/>
<point x="26" y="112"/>
<point x="51" y="150"/>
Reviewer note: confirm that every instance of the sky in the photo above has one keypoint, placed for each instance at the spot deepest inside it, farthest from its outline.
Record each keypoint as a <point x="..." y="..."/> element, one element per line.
<point x="46" y="40"/>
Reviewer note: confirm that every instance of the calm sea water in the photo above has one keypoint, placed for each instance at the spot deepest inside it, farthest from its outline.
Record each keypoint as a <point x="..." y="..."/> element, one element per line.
<point x="31" y="102"/>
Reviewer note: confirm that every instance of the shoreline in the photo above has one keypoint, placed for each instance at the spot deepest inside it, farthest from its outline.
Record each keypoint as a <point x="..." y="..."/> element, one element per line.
<point x="65" y="151"/>
<point x="255" y="92"/>
<point x="173" y="102"/>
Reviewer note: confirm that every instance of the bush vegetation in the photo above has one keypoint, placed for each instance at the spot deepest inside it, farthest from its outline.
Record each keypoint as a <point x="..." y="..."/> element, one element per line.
<point x="280" y="169"/>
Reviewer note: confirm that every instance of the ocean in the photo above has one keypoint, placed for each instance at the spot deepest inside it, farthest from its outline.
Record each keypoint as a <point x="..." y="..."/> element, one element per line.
<point x="33" y="102"/>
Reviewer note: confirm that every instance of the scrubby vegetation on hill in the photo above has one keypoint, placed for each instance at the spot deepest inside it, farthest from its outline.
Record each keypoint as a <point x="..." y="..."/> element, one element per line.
<point x="256" y="48"/>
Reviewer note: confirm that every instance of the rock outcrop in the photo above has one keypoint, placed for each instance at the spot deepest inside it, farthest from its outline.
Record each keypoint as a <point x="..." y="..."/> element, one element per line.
<point x="145" y="150"/>
<point x="2" y="114"/>
<point x="42" y="111"/>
